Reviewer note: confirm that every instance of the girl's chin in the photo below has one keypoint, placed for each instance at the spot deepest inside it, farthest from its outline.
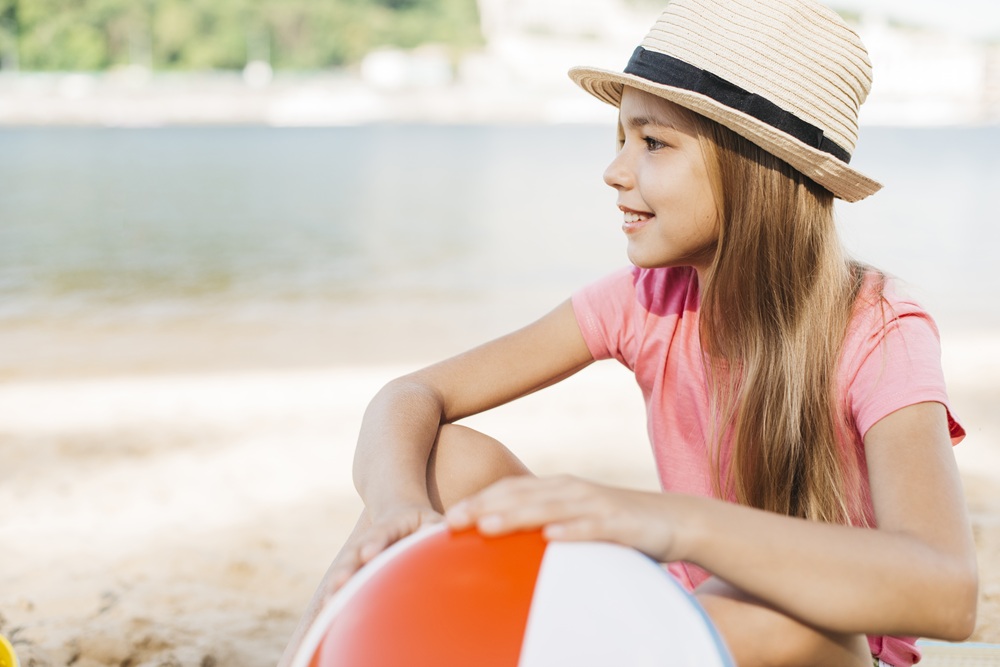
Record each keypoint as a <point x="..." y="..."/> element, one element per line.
<point x="645" y="260"/>
<point x="646" y="255"/>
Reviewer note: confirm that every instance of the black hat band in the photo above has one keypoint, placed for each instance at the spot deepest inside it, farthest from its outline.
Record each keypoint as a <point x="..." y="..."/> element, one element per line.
<point x="669" y="71"/>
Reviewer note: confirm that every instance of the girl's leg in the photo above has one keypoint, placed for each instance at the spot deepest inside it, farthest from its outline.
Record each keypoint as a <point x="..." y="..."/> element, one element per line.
<point x="462" y="462"/>
<point x="465" y="461"/>
<point x="759" y="636"/>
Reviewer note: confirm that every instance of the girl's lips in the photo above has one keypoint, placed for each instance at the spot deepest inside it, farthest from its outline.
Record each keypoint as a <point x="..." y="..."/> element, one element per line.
<point x="634" y="220"/>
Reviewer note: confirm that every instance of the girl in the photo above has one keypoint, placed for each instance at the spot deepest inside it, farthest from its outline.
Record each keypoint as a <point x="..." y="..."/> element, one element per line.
<point x="795" y="401"/>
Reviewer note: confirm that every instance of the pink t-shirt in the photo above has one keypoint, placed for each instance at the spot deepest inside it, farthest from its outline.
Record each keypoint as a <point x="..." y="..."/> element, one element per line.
<point x="647" y="319"/>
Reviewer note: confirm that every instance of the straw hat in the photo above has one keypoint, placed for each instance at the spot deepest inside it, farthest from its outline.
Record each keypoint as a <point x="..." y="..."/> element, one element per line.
<point x="789" y="75"/>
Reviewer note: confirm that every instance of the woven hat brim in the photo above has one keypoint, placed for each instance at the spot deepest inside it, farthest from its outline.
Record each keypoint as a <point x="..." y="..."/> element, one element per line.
<point x="836" y="176"/>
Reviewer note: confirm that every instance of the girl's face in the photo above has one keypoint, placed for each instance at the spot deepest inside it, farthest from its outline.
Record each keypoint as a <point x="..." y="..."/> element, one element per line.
<point x="671" y="218"/>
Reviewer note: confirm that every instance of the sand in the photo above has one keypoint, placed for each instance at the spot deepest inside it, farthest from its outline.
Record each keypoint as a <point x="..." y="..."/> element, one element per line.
<point x="175" y="515"/>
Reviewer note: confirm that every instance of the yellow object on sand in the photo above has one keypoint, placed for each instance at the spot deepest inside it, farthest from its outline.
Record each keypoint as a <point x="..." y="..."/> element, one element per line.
<point x="7" y="656"/>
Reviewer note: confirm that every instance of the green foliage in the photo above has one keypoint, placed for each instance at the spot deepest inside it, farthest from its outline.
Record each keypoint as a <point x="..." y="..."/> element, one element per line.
<point x="8" y="30"/>
<point x="224" y="34"/>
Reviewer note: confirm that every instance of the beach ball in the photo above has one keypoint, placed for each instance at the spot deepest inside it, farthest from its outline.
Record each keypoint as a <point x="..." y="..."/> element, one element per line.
<point x="459" y="599"/>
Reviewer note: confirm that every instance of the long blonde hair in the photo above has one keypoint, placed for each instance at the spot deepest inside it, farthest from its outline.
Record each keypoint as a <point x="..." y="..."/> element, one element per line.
<point x="775" y="310"/>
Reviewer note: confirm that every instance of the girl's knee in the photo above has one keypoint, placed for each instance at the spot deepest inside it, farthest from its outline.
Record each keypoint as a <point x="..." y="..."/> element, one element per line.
<point x="464" y="461"/>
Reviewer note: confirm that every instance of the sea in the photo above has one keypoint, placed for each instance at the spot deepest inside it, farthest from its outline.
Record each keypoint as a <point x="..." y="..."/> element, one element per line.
<point x="164" y="222"/>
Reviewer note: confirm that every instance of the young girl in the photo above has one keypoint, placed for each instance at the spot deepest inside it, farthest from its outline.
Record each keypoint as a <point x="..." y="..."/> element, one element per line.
<point x="795" y="401"/>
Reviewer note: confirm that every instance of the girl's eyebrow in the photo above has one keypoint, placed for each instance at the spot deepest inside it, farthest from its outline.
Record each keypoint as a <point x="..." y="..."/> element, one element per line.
<point x="637" y="122"/>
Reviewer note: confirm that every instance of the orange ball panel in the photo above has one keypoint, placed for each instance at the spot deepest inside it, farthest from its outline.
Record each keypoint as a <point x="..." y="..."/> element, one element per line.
<point x="450" y="600"/>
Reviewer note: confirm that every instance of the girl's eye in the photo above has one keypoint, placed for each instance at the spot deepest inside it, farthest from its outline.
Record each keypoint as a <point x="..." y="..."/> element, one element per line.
<point x="653" y="144"/>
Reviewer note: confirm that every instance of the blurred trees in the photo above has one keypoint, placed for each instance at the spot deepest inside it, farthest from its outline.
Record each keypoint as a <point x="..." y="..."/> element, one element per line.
<point x="223" y="34"/>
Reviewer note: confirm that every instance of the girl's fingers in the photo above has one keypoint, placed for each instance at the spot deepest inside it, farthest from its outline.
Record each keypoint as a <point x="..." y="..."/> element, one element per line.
<point x="374" y="540"/>
<point x="339" y="577"/>
<point x="570" y="509"/>
<point x="344" y="569"/>
<point x="524" y="503"/>
<point x="480" y="509"/>
<point x="372" y="548"/>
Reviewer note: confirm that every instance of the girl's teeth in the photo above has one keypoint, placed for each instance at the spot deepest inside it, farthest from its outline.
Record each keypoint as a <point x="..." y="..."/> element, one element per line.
<point x="631" y="216"/>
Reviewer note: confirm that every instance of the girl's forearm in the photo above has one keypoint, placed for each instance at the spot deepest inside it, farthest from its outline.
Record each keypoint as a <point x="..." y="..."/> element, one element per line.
<point x="397" y="434"/>
<point x="403" y="420"/>
<point x="836" y="577"/>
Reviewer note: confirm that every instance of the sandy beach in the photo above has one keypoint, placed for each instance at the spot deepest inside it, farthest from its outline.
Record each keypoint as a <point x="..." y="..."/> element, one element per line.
<point x="170" y="512"/>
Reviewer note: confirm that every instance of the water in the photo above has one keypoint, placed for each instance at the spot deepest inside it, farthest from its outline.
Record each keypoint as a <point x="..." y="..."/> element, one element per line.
<point x="937" y="222"/>
<point x="166" y="221"/>
<point x="93" y="217"/>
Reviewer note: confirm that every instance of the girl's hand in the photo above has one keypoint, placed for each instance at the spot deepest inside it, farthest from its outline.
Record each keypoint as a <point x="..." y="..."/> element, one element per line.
<point x="372" y="537"/>
<point x="572" y="509"/>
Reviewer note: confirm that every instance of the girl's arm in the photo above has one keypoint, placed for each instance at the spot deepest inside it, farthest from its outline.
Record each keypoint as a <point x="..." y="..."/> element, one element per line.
<point x="914" y="575"/>
<point x="402" y="422"/>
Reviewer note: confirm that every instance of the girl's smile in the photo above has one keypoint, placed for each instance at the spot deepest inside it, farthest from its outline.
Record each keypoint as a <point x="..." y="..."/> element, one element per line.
<point x="634" y="220"/>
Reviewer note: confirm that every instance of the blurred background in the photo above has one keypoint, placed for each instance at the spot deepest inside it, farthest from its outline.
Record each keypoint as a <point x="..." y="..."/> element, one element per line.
<point x="303" y="176"/>
<point x="223" y="224"/>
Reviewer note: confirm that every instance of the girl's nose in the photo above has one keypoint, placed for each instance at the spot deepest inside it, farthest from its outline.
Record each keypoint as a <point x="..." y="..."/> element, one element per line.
<point x="617" y="174"/>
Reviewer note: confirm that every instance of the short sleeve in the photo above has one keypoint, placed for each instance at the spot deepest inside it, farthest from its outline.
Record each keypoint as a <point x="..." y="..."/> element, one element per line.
<point x="603" y="311"/>
<point x="896" y="362"/>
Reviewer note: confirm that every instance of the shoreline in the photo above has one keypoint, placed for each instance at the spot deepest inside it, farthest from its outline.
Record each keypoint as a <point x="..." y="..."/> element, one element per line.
<point x="135" y="97"/>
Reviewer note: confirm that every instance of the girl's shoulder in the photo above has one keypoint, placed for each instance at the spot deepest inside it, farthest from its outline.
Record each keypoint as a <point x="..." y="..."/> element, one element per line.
<point x="891" y="355"/>
<point x="885" y="303"/>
